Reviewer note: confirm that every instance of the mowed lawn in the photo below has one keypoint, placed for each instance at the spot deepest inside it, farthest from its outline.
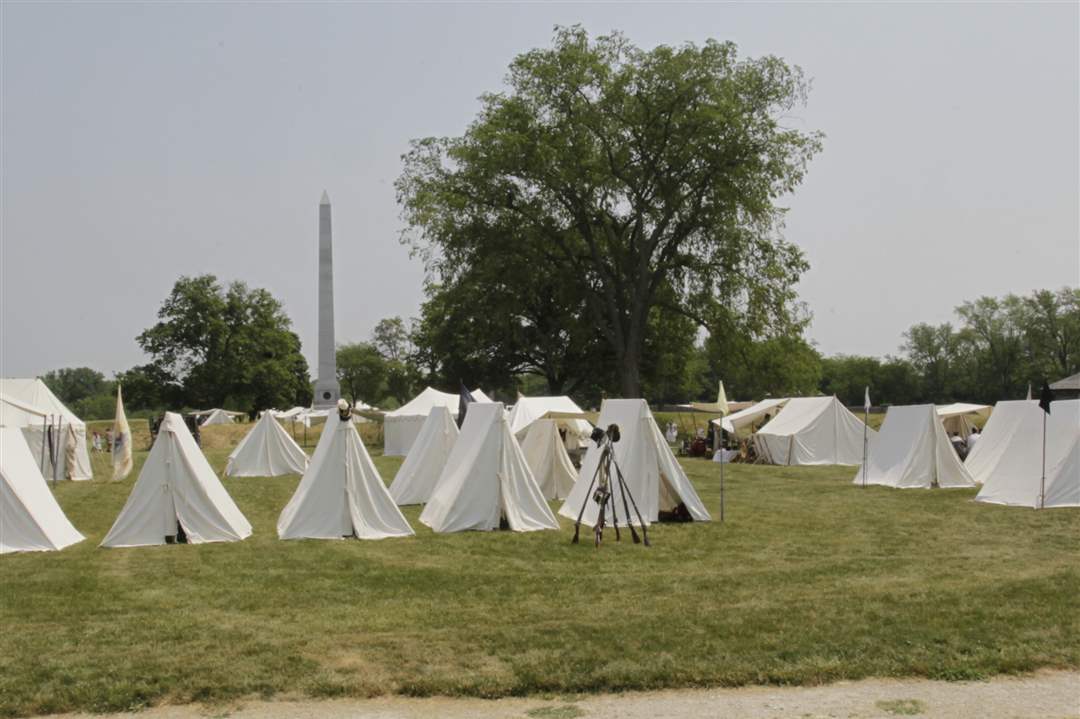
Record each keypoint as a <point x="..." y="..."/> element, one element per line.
<point x="809" y="580"/>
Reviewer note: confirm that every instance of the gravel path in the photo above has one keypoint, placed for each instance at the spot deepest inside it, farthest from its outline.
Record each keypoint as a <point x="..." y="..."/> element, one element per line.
<point x="1052" y="695"/>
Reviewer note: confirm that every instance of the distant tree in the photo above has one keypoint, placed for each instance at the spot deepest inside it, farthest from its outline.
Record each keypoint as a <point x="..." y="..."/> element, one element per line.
<point x="785" y="366"/>
<point x="848" y="376"/>
<point x="1051" y="325"/>
<point x="149" y="387"/>
<point x="934" y="352"/>
<point x="72" y="384"/>
<point x="391" y="338"/>
<point x="362" y="372"/>
<point x="631" y="174"/>
<point x="226" y="346"/>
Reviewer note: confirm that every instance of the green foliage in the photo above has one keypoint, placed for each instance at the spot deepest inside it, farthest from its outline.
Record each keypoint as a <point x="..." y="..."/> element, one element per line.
<point x="216" y="346"/>
<point x="623" y="180"/>
<point x="891" y="381"/>
<point x="362" y="372"/>
<point x="72" y="384"/>
<point x="1001" y="346"/>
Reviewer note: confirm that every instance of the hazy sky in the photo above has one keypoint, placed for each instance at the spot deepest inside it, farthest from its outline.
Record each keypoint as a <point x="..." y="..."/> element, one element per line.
<point x="146" y="141"/>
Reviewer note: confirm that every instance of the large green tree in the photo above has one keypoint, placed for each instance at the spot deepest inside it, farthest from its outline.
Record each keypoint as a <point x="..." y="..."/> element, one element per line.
<point x="632" y="174"/>
<point x="362" y="372"/>
<point x="72" y="384"/>
<point x="225" y="346"/>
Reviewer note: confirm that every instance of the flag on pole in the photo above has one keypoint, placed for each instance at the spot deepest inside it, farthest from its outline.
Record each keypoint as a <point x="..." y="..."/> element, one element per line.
<point x="121" y="449"/>
<point x="721" y="400"/>
<point x="1029" y="392"/>
<point x="1046" y="397"/>
<point x="866" y="399"/>
<point x="465" y="398"/>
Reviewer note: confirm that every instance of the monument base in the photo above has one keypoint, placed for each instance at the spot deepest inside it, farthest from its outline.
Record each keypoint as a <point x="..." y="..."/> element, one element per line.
<point x="327" y="394"/>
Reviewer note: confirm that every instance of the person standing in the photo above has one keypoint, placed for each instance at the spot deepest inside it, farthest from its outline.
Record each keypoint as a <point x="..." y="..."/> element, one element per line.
<point x="973" y="438"/>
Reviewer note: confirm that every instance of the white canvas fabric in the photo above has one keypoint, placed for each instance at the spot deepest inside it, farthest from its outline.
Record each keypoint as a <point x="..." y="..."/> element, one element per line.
<point x="545" y="453"/>
<point x="746" y="421"/>
<point x="30" y="518"/>
<point x="529" y="409"/>
<point x="217" y="416"/>
<point x="656" y="480"/>
<point x="486" y="478"/>
<point x="177" y="484"/>
<point x="416" y="478"/>
<point x="69" y="429"/>
<point x="912" y="451"/>
<point x="341" y="494"/>
<point x="812" y="431"/>
<point x="959" y="417"/>
<point x="1007" y="459"/>
<point x="266" y="451"/>
<point x="402" y="425"/>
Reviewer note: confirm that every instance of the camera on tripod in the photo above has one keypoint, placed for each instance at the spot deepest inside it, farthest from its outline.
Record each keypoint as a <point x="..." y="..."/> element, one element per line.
<point x="607" y="483"/>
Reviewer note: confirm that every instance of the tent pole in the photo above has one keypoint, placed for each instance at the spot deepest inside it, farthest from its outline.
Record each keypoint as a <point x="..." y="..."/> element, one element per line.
<point x="866" y="419"/>
<point x="1042" y="482"/>
<point x="44" y="429"/>
<point x="59" y="435"/>
<point x="723" y="460"/>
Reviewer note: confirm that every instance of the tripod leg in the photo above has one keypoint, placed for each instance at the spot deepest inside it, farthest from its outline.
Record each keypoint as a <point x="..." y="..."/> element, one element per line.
<point x="629" y="523"/>
<point x="588" y="494"/>
<point x="622" y="483"/>
<point x="615" y="514"/>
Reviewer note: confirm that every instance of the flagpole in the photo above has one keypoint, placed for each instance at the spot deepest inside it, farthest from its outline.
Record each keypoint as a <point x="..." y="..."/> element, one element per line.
<point x="723" y="460"/>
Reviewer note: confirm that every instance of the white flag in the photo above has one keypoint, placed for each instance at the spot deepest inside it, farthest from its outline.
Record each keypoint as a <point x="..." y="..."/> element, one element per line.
<point x="866" y="399"/>
<point x="1029" y="392"/>
<point x="121" y="449"/>
<point x="721" y="400"/>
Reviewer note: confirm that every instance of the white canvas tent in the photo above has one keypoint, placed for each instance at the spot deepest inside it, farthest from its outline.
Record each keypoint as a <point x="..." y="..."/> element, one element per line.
<point x="216" y="416"/>
<point x="655" y="478"/>
<point x="747" y="421"/>
<point x="402" y="425"/>
<point x="912" y="451"/>
<point x="1007" y="459"/>
<point x="530" y="409"/>
<point x="30" y="518"/>
<point x="811" y="431"/>
<point x="266" y="451"/>
<point x="177" y="486"/>
<point x="68" y="432"/>
<point x="486" y="479"/>
<point x="959" y="417"/>
<point x="341" y="494"/>
<point x="545" y="453"/>
<point x="416" y="478"/>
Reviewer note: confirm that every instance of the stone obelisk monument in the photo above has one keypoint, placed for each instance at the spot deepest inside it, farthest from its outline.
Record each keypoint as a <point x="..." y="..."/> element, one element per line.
<point x="327" y="389"/>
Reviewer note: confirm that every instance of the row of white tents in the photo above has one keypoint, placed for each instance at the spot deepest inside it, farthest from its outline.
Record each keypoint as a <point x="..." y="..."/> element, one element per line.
<point x="1010" y="459"/>
<point x="488" y="474"/>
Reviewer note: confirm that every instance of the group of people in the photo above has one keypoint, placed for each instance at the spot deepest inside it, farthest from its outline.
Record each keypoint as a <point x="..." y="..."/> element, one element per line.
<point x="103" y="442"/>
<point x="963" y="446"/>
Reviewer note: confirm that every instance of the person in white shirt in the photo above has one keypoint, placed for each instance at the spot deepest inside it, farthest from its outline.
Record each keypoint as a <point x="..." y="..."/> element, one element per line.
<point x="973" y="438"/>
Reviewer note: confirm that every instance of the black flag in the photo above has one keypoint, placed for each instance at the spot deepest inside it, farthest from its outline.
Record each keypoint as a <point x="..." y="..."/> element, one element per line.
<point x="1046" y="397"/>
<point x="464" y="398"/>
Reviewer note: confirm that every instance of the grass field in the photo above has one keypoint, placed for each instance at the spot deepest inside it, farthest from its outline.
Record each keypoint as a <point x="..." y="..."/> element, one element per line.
<point x="809" y="580"/>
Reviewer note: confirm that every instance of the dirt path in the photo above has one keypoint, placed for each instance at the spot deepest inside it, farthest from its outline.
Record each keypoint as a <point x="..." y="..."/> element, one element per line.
<point x="1053" y="695"/>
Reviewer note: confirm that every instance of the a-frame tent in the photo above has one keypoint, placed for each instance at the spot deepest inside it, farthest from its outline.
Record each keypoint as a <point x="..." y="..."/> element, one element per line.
<point x="402" y="425"/>
<point x="341" y="494"/>
<point x="1008" y="459"/>
<point x="486" y="480"/>
<point x="177" y="487"/>
<point x="912" y="451"/>
<point x="67" y="432"/>
<point x="545" y="453"/>
<point x="655" y="478"/>
<point x="812" y="431"/>
<point x="266" y="451"/>
<point x="416" y="478"/>
<point x="30" y="517"/>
